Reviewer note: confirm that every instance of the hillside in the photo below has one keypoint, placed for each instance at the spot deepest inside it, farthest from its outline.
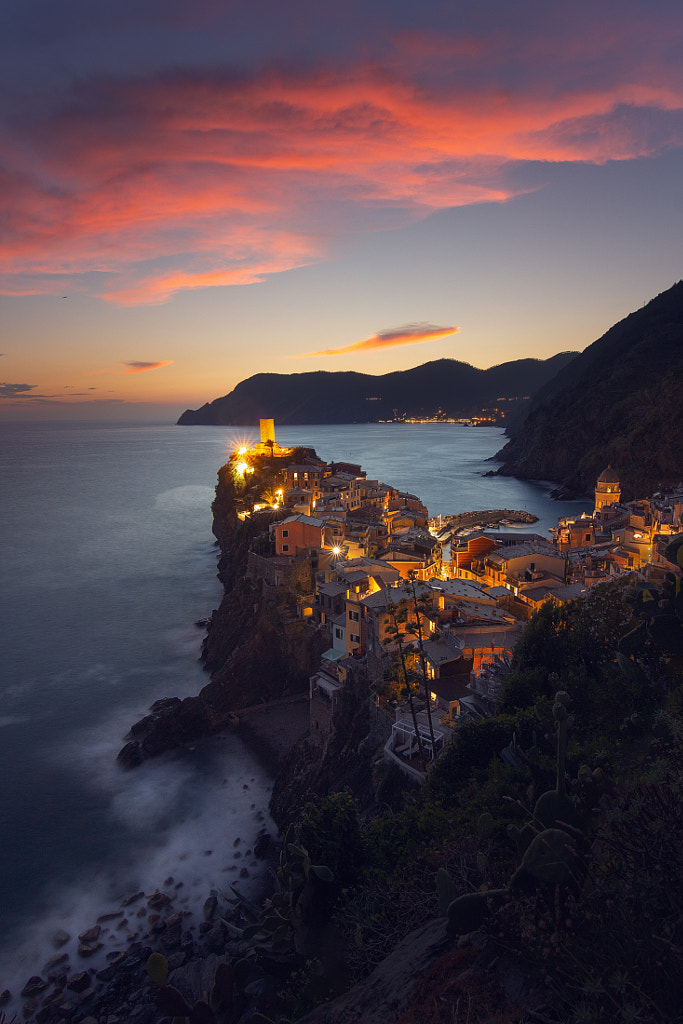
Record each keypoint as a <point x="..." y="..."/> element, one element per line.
<point x="620" y="402"/>
<point x="453" y="388"/>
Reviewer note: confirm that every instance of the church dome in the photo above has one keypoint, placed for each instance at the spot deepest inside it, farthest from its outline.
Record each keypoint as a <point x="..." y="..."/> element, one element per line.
<point x="608" y="476"/>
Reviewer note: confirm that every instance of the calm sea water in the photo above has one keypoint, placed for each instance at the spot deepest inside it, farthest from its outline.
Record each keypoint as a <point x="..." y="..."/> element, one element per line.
<point x="107" y="561"/>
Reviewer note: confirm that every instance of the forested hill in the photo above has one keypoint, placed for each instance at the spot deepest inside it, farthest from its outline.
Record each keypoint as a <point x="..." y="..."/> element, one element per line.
<point x="620" y="402"/>
<point x="454" y="388"/>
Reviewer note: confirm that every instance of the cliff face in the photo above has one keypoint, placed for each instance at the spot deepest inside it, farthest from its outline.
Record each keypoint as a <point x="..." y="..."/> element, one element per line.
<point x="620" y="402"/>
<point x="256" y="650"/>
<point x="455" y="388"/>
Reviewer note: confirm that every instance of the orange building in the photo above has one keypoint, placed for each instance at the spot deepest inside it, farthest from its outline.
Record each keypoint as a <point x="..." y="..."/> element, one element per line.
<point x="298" y="534"/>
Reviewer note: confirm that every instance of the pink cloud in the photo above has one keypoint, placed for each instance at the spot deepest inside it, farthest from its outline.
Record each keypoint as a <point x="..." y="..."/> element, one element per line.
<point x="410" y="334"/>
<point x="140" y="367"/>
<point x="204" y="180"/>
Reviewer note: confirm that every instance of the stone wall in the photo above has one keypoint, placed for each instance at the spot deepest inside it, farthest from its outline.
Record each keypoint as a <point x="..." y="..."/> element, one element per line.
<point x="277" y="572"/>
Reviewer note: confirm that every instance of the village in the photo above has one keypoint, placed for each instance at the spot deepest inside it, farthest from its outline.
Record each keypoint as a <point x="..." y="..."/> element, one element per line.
<point x="428" y="614"/>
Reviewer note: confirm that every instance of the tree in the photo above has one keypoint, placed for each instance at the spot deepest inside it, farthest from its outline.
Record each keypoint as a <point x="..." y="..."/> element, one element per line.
<point x="398" y="614"/>
<point x="420" y="608"/>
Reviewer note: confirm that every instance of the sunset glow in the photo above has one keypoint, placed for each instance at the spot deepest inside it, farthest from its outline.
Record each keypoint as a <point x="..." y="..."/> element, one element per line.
<point x="411" y="334"/>
<point x="242" y="191"/>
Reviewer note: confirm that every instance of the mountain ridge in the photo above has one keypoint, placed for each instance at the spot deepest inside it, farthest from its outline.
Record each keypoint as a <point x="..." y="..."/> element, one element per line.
<point x="620" y="402"/>
<point x="454" y="388"/>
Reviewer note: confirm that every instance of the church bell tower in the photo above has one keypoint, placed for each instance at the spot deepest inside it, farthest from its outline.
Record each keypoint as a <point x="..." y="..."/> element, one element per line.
<point x="607" y="489"/>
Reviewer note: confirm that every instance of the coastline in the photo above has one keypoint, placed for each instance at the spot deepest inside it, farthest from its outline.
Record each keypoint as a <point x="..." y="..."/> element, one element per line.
<point x="100" y="973"/>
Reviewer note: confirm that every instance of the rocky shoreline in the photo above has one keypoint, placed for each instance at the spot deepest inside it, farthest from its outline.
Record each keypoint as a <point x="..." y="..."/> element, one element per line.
<point x="99" y="977"/>
<point x="84" y="983"/>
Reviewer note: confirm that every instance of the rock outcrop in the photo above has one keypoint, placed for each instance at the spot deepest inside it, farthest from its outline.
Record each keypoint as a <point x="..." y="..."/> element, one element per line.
<point x="257" y="649"/>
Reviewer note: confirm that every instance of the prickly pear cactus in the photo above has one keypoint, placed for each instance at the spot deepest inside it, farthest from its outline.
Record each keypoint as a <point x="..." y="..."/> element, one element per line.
<point x="549" y="860"/>
<point x="469" y="912"/>
<point x="157" y="969"/>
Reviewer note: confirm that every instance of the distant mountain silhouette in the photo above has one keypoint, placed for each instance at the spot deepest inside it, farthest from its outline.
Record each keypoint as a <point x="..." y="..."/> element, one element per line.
<point x="620" y="402"/>
<point x="453" y="388"/>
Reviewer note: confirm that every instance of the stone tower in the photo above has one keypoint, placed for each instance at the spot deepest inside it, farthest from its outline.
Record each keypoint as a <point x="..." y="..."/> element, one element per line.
<point x="267" y="431"/>
<point x="607" y="490"/>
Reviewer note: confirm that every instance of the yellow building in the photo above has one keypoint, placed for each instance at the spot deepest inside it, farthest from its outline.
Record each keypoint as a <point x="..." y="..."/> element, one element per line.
<point x="607" y="489"/>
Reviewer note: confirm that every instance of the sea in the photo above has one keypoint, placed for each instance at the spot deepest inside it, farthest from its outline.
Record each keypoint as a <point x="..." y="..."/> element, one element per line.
<point x="108" y="562"/>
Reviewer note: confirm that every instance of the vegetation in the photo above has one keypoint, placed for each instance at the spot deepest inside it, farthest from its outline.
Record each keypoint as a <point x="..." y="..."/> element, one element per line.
<point x="555" y="828"/>
<point x="567" y="853"/>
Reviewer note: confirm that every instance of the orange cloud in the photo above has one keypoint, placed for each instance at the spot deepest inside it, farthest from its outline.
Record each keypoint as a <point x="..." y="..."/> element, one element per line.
<point x="410" y="334"/>
<point x="140" y="367"/>
<point x="151" y="186"/>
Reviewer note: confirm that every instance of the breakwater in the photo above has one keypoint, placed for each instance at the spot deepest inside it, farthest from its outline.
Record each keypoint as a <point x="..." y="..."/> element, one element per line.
<point x="459" y="521"/>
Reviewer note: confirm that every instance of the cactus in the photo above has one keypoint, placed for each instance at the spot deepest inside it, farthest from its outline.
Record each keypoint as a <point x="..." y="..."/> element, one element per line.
<point x="223" y="984"/>
<point x="554" y="805"/>
<point x="469" y="912"/>
<point x="172" y="1003"/>
<point x="157" y="969"/>
<point x="522" y="837"/>
<point x="486" y="825"/>
<point x="446" y="889"/>
<point x="275" y="929"/>
<point x="660" y="611"/>
<point x="549" y="860"/>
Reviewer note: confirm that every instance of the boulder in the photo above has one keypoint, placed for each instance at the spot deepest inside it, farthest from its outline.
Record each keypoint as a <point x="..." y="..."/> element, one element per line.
<point x="86" y="949"/>
<point x="156" y="900"/>
<point x="170" y="723"/>
<point x="210" y="904"/>
<point x="34" y="986"/>
<point x="130" y="756"/>
<point x="79" y="982"/>
<point x="54" y="962"/>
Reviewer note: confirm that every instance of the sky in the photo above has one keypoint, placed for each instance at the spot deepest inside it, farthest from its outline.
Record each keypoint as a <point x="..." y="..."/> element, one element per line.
<point x="194" y="193"/>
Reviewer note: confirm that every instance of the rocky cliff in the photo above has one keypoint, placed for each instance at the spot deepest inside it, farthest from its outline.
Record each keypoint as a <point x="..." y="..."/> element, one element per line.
<point x="620" y="402"/>
<point x="257" y="649"/>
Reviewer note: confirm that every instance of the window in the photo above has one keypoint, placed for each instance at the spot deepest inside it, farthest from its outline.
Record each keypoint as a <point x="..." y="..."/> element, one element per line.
<point x="355" y="639"/>
<point x="285" y="533"/>
<point x="285" y="547"/>
<point x="353" y="616"/>
<point x="338" y="633"/>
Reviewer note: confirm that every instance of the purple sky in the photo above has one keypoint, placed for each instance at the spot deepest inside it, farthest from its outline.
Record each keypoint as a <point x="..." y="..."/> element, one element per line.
<point x="190" y="194"/>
